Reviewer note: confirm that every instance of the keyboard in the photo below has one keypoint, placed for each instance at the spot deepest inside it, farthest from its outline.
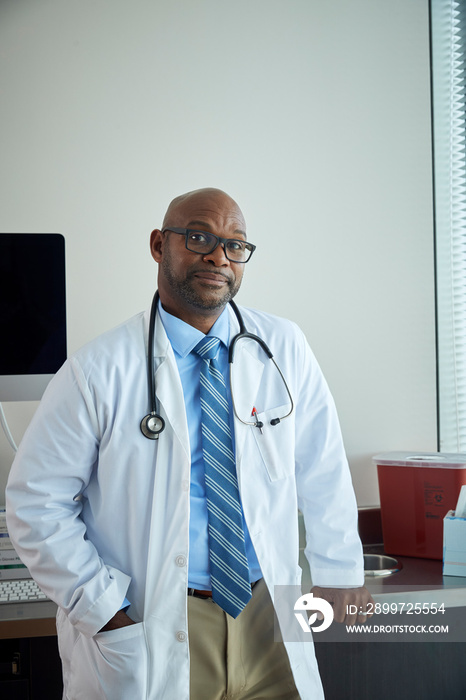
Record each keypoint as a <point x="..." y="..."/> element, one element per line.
<point x="20" y="591"/>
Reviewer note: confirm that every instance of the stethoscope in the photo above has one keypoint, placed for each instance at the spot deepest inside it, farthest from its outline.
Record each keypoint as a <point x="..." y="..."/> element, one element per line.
<point x="153" y="424"/>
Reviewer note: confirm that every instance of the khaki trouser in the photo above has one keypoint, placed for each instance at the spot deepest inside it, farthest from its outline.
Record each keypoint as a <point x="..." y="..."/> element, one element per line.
<point x="237" y="659"/>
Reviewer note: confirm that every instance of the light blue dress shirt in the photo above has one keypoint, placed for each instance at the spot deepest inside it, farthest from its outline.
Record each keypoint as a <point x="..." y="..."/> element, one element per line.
<point x="184" y="339"/>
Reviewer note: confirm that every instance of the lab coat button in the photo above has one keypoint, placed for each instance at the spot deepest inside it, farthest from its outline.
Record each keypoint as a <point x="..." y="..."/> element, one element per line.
<point x="181" y="636"/>
<point x="180" y="560"/>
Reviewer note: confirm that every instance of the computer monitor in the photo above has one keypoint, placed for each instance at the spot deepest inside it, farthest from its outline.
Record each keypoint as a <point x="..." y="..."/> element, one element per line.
<point x="32" y="313"/>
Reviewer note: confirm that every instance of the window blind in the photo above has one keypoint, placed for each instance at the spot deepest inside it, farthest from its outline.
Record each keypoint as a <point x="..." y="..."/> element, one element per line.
<point x="448" y="23"/>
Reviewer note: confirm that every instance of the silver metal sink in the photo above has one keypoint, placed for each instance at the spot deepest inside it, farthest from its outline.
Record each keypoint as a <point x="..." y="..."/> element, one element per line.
<point x="380" y="565"/>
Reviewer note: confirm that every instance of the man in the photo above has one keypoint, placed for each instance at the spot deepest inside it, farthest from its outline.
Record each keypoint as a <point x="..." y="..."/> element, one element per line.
<point x="124" y="532"/>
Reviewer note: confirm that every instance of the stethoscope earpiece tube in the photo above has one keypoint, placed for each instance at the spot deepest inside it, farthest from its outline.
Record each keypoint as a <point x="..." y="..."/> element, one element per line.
<point x="243" y="334"/>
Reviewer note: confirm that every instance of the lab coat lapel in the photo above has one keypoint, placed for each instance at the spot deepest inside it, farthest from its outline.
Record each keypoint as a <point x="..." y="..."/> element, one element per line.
<point x="168" y="387"/>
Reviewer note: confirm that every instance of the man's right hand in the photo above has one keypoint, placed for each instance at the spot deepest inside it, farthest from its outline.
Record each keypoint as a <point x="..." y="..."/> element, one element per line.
<point x="121" y="619"/>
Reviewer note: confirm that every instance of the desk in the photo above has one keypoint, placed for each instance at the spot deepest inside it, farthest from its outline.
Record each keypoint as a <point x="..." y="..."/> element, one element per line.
<point x="28" y="634"/>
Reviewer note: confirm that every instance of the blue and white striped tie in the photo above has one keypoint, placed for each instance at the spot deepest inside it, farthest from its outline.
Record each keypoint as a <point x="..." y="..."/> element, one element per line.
<point x="229" y="570"/>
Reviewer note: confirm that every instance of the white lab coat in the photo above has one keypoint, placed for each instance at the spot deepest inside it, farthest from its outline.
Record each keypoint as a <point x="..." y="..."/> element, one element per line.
<point x="97" y="511"/>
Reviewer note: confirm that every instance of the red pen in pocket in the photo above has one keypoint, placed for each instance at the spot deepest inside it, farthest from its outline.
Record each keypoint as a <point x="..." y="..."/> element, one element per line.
<point x="258" y="423"/>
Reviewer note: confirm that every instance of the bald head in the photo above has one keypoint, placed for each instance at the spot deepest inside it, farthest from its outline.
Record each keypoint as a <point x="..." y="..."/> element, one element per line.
<point x="208" y="200"/>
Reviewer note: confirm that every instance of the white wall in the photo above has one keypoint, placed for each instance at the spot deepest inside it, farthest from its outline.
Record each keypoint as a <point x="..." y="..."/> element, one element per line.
<point x="315" y="116"/>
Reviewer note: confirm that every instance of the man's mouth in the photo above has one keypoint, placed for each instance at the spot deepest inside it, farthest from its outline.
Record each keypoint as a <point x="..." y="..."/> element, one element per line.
<point x="212" y="278"/>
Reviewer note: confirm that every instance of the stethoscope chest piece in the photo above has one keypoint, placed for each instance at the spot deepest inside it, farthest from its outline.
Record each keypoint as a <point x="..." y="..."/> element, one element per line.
<point x="152" y="425"/>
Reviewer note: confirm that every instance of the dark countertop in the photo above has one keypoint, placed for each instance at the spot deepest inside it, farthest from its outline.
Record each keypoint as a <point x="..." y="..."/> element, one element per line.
<point x="418" y="580"/>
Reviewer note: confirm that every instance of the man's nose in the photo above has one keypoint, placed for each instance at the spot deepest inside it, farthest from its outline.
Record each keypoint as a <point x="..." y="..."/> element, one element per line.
<point x="217" y="256"/>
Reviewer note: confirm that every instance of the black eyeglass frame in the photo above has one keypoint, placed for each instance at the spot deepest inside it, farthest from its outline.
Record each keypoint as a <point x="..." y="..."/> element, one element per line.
<point x="186" y="231"/>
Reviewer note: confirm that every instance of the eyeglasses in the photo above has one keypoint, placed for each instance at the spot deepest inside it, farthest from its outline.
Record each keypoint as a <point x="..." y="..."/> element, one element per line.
<point x="202" y="242"/>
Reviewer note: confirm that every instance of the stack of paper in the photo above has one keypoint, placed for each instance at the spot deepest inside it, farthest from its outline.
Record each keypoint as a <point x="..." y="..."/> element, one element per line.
<point x="10" y="563"/>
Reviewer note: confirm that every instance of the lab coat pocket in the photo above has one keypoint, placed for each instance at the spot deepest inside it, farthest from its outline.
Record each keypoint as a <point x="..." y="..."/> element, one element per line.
<point x="276" y="442"/>
<point x="111" y="665"/>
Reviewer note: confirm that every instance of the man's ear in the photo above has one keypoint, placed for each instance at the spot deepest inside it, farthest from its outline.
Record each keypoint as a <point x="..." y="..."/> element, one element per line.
<point x="156" y="240"/>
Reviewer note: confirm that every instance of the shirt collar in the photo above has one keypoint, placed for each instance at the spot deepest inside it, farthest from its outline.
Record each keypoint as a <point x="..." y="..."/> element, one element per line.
<point x="184" y="337"/>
